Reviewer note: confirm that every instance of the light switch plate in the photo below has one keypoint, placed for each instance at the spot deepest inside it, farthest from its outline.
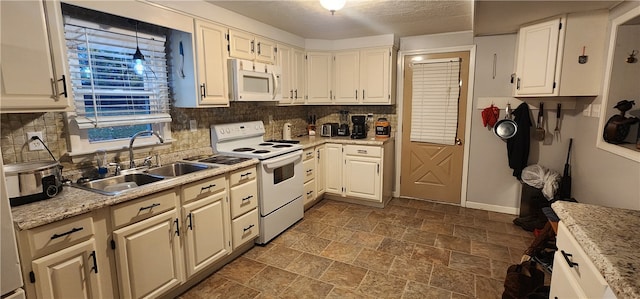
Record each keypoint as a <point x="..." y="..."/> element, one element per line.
<point x="587" y="110"/>
<point x="193" y="125"/>
<point x="595" y="110"/>
<point x="35" y="145"/>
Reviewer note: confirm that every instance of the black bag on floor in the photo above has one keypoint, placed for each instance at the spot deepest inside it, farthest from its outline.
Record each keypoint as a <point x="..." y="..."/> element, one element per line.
<point x="522" y="280"/>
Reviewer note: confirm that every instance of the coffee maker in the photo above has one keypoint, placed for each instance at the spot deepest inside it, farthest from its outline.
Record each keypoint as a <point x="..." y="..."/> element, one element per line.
<point x="343" y="129"/>
<point x="359" y="130"/>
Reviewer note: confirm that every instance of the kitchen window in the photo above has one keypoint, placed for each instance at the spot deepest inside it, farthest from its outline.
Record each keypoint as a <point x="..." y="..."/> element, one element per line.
<point x="113" y="100"/>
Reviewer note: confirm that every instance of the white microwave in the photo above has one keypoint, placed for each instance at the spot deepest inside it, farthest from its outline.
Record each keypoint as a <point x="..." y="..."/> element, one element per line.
<point x="254" y="81"/>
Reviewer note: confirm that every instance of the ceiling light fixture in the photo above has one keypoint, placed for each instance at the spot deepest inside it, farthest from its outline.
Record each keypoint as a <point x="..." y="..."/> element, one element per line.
<point x="333" y="5"/>
<point x="138" y="58"/>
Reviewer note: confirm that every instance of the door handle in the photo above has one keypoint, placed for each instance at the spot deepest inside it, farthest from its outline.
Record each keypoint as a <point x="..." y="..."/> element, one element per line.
<point x="458" y="141"/>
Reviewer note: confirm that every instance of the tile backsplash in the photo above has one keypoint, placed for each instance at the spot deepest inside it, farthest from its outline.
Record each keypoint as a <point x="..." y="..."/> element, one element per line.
<point x="14" y="127"/>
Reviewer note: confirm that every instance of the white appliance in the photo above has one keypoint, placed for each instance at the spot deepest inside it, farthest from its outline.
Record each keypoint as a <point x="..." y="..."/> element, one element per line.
<point x="10" y="277"/>
<point x="254" y="81"/>
<point x="280" y="173"/>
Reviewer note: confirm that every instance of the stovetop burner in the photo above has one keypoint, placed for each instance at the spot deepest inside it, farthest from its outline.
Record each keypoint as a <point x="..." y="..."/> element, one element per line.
<point x="224" y="160"/>
<point x="265" y="144"/>
<point x="243" y="149"/>
<point x="261" y="152"/>
<point x="282" y="145"/>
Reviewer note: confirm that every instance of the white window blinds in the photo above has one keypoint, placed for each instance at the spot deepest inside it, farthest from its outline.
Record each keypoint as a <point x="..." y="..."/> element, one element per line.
<point x="106" y="89"/>
<point x="436" y="90"/>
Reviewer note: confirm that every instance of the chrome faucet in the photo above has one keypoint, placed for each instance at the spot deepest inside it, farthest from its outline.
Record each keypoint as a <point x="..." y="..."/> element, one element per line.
<point x="133" y="138"/>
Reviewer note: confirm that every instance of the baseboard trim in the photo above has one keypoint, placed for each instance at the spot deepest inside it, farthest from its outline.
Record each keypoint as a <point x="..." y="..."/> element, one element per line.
<point x="492" y="208"/>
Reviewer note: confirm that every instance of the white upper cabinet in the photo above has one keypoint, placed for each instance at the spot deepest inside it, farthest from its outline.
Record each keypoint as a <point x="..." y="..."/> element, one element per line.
<point x="319" y="75"/>
<point x="561" y="57"/>
<point x="245" y="45"/>
<point x="293" y="65"/>
<point x="347" y="77"/>
<point x="33" y="72"/>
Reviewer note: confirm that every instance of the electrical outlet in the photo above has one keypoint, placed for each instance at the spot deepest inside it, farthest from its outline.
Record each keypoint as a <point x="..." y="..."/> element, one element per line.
<point x="369" y="116"/>
<point x="595" y="110"/>
<point x="35" y="145"/>
<point x="193" y="125"/>
<point x="270" y="119"/>
<point x="587" y="110"/>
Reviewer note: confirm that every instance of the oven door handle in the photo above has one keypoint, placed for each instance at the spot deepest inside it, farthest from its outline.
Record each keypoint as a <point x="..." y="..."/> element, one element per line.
<point x="284" y="160"/>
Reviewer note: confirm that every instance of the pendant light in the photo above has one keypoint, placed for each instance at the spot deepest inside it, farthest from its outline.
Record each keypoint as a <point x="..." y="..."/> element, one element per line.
<point x="138" y="58"/>
<point x="333" y="5"/>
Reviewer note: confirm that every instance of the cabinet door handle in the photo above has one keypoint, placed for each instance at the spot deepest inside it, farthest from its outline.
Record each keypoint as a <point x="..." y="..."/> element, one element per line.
<point x="259" y="52"/>
<point x="248" y="228"/>
<point x="291" y="97"/>
<point x="363" y="94"/>
<point x="356" y="94"/>
<point x="318" y="155"/>
<point x="296" y="92"/>
<point x="208" y="188"/>
<point x="95" y="262"/>
<point x="71" y="231"/>
<point x="566" y="258"/>
<point x="64" y="87"/>
<point x="252" y="42"/>
<point x="203" y="90"/>
<point x="378" y="168"/>
<point x="330" y="94"/>
<point x="495" y="62"/>
<point x="190" y="216"/>
<point x="149" y="207"/>
<point x="177" y="227"/>
<point x="518" y="84"/>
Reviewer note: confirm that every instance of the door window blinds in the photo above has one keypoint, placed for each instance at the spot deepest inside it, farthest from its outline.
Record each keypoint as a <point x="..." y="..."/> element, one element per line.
<point x="106" y="90"/>
<point x="436" y="91"/>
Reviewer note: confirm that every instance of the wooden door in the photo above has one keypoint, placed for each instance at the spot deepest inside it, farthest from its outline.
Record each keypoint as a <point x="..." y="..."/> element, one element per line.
<point x="433" y="171"/>
<point x="69" y="273"/>
<point x="212" y="64"/>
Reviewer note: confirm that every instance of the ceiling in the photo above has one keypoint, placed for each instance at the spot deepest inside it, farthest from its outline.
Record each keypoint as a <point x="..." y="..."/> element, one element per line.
<point x="306" y="18"/>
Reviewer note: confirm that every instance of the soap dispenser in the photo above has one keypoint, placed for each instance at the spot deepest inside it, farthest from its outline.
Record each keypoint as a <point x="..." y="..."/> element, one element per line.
<point x="286" y="131"/>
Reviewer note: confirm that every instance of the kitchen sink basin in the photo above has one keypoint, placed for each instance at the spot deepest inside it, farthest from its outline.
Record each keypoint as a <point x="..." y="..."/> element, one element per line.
<point x="177" y="169"/>
<point x="116" y="184"/>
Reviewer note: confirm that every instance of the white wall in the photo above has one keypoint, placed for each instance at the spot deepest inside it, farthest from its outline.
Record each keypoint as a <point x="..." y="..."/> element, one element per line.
<point x="435" y="41"/>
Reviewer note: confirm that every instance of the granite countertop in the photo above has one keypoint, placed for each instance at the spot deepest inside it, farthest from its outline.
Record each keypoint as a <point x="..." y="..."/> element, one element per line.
<point x="73" y="201"/>
<point x="311" y="141"/>
<point x="609" y="236"/>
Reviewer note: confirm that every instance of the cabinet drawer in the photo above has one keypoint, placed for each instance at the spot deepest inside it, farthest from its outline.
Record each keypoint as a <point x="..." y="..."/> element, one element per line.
<point x="366" y="151"/>
<point x="242" y="176"/>
<point x="203" y="188"/>
<point x="244" y="198"/>
<point x="55" y="236"/>
<point x="308" y="154"/>
<point x="309" y="167"/>
<point x="583" y="270"/>
<point x="142" y="208"/>
<point x="245" y="228"/>
<point x="309" y="191"/>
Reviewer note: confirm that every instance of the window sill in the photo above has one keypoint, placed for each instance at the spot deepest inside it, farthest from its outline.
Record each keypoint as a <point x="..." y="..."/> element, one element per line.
<point x="90" y="155"/>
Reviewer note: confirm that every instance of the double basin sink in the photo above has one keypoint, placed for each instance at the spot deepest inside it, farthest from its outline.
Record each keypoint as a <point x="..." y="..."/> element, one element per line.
<point x="132" y="179"/>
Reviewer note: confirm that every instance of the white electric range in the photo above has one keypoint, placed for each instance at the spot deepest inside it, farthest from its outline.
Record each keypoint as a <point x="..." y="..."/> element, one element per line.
<point x="280" y="173"/>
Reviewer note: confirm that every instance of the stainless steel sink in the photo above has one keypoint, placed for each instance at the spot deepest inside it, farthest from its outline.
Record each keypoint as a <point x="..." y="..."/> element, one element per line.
<point x="117" y="184"/>
<point x="177" y="169"/>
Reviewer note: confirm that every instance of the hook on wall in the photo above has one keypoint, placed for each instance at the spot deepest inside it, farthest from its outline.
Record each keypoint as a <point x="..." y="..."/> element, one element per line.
<point x="632" y="57"/>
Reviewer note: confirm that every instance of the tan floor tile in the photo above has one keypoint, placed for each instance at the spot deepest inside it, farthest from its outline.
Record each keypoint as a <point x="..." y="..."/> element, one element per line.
<point x="380" y="216"/>
<point x="515" y="255"/>
<point x="381" y="285"/>
<point x="490" y="225"/>
<point x="309" y="265"/>
<point x="340" y="293"/>
<point x="304" y="287"/>
<point x="412" y="222"/>
<point x="358" y="212"/>
<point x="288" y="238"/>
<point x="455" y="295"/>
<point x="397" y="201"/>
<point x="331" y="207"/>
<point x="453" y="243"/>
<point x="430" y="215"/>
<point x="365" y="239"/>
<point x="342" y="252"/>
<point x="513" y="229"/>
<point x="437" y="227"/>
<point x="452" y="280"/>
<point x="314" y="214"/>
<point x="431" y="254"/>
<point x="419" y="236"/>
<point x="475" y="213"/>
<point x="310" y="227"/>
<point x="389" y="230"/>
<point x="313" y="245"/>
<point x="335" y="233"/>
<point x="409" y="269"/>
<point x="421" y="204"/>
<point x="344" y="275"/>
<point x="492" y="251"/>
<point x="374" y="260"/>
<point x="416" y="290"/>
<point x="241" y="269"/>
<point x="403" y="211"/>
<point x="396" y="247"/>
<point x="219" y="287"/>
<point x="257" y="250"/>
<point x="272" y="280"/>
<point x="471" y="233"/>
<point x="361" y="224"/>
<point x="502" y="217"/>
<point x="335" y="219"/>
<point x="459" y="219"/>
<point x="507" y="239"/>
<point x="470" y="263"/>
<point x="447" y="208"/>
<point x="488" y="287"/>
<point x="279" y="256"/>
<point x="499" y="269"/>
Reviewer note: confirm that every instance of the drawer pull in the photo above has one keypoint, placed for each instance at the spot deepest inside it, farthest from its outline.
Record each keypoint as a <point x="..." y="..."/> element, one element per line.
<point x="309" y="193"/>
<point x="566" y="257"/>
<point x="177" y="227"/>
<point x="309" y="170"/>
<point x="73" y="230"/>
<point x="247" y="198"/>
<point x="190" y="216"/>
<point x="95" y="262"/>
<point x="245" y="175"/>
<point x="208" y="188"/>
<point x="149" y="207"/>
<point x="248" y="227"/>
<point x="362" y="151"/>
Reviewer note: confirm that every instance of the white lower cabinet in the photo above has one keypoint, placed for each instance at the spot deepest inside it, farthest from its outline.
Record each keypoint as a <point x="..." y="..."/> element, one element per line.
<point x="333" y="164"/>
<point x="244" y="205"/>
<point x="314" y="174"/>
<point x="362" y="177"/>
<point x="574" y="274"/>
